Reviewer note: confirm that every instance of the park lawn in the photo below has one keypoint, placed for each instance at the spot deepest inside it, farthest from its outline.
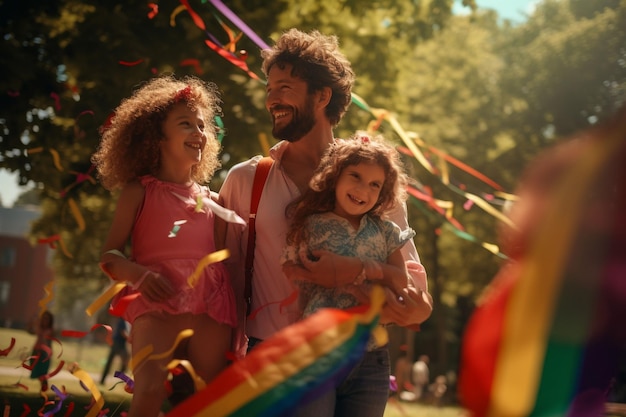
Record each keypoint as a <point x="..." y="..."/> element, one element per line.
<point x="404" y="409"/>
<point x="18" y="391"/>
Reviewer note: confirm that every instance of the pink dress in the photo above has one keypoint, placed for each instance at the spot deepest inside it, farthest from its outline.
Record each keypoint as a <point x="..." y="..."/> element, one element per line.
<point x="171" y="236"/>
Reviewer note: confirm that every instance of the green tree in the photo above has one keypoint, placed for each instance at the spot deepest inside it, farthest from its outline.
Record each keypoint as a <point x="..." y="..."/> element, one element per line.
<point x="566" y="69"/>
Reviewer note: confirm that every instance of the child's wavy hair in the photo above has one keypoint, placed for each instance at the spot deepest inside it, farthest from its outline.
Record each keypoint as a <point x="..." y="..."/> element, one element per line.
<point x="130" y="145"/>
<point x="317" y="60"/>
<point x="320" y="196"/>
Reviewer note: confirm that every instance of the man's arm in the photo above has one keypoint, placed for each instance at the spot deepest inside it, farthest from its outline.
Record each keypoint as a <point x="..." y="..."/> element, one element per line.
<point x="408" y="309"/>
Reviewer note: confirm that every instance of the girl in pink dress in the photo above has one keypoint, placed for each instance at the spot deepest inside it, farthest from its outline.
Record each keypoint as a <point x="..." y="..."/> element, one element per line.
<point x="159" y="146"/>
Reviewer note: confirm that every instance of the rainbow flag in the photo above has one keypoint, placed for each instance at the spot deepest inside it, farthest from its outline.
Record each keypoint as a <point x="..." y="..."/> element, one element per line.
<point x="292" y="367"/>
<point x="546" y="339"/>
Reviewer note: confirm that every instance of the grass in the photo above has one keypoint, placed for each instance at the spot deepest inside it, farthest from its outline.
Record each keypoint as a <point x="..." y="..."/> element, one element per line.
<point x="91" y="357"/>
<point x="404" y="409"/>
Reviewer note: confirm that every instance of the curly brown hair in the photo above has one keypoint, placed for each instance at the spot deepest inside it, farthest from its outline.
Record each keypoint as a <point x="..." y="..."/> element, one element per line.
<point x="320" y="196"/>
<point x="316" y="59"/>
<point x="130" y="142"/>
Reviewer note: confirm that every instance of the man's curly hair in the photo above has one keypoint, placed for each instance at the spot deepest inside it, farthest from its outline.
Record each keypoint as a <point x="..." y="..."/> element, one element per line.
<point x="320" y="196"/>
<point x="316" y="59"/>
<point x="130" y="145"/>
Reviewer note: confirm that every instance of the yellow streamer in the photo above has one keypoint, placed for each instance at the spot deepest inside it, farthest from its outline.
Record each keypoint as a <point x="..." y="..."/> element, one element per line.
<point x="489" y="209"/>
<point x="47" y="298"/>
<point x="198" y="382"/>
<point x="34" y="151"/>
<point x="64" y="249"/>
<point x="86" y="379"/>
<point x="174" y="14"/>
<point x="506" y="196"/>
<point x="211" y="258"/>
<point x="491" y="247"/>
<point x="142" y="356"/>
<point x="77" y="214"/>
<point x="57" y="159"/>
<point x="139" y="357"/>
<point x="445" y="173"/>
<point x="109" y="293"/>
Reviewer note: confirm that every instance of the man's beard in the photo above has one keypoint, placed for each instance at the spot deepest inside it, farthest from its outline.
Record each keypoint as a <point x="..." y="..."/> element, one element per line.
<point x="301" y="123"/>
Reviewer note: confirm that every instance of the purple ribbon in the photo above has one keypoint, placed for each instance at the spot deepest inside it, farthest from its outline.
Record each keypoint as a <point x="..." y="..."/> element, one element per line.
<point x="239" y="23"/>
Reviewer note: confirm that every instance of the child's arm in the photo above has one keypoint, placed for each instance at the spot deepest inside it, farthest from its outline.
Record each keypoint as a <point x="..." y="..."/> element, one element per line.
<point x="114" y="263"/>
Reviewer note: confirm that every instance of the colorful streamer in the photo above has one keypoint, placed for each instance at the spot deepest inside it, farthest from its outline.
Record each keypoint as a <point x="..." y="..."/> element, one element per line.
<point x="103" y="298"/>
<point x="413" y="150"/>
<point x="5" y="352"/>
<point x="52" y="240"/>
<point x="209" y="259"/>
<point x="192" y="62"/>
<point x="545" y="341"/>
<point x="55" y="156"/>
<point x="131" y="63"/>
<point x="146" y="354"/>
<point x="80" y="178"/>
<point x="194" y="16"/>
<point x="43" y="303"/>
<point x="234" y="59"/>
<point x="80" y="220"/>
<point x="239" y="23"/>
<point x="154" y="10"/>
<point x="291" y="367"/>
<point x="80" y="334"/>
<point x="175" y="13"/>
<point x="231" y="46"/>
<point x="90" y="385"/>
<point x="129" y="386"/>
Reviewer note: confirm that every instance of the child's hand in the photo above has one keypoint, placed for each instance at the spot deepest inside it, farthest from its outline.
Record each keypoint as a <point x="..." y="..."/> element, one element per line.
<point x="362" y="293"/>
<point x="412" y="307"/>
<point x="319" y="267"/>
<point x="155" y="287"/>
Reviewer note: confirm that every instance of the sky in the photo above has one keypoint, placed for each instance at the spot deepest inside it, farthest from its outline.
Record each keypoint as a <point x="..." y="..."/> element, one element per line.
<point x="514" y="10"/>
<point x="507" y="9"/>
<point x="9" y="189"/>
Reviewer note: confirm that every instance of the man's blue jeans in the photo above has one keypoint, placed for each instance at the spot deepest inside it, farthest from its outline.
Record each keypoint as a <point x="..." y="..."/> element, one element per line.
<point x="363" y="393"/>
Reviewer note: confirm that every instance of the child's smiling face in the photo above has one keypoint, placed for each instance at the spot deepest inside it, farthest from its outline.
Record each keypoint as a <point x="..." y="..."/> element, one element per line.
<point x="358" y="189"/>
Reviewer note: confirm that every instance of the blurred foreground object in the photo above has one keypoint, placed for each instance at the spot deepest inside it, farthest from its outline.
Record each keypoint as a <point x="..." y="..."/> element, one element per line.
<point x="547" y="335"/>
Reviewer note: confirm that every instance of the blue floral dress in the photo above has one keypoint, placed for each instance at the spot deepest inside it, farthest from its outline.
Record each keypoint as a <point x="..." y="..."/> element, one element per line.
<point x="375" y="239"/>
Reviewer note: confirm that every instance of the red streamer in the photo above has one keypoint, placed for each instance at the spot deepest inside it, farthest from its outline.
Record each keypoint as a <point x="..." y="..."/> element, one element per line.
<point x="131" y="64"/>
<point x="5" y="352"/>
<point x="57" y="101"/>
<point x="232" y="58"/>
<point x="194" y="63"/>
<point x="26" y="410"/>
<point x="154" y="10"/>
<point x="458" y="164"/>
<point x="80" y="334"/>
<point x="194" y="16"/>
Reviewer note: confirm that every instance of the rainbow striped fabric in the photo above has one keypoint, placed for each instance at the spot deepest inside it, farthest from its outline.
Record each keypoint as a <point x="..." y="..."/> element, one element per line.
<point x="292" y="367"/>
<point x="547" y="338"/>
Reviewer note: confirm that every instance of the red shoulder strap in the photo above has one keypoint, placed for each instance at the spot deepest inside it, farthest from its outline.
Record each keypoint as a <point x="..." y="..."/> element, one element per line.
<point x="260" y="176"/>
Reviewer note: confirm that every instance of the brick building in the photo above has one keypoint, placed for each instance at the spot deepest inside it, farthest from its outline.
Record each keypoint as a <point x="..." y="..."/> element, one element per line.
<point x="24" y="268"/>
